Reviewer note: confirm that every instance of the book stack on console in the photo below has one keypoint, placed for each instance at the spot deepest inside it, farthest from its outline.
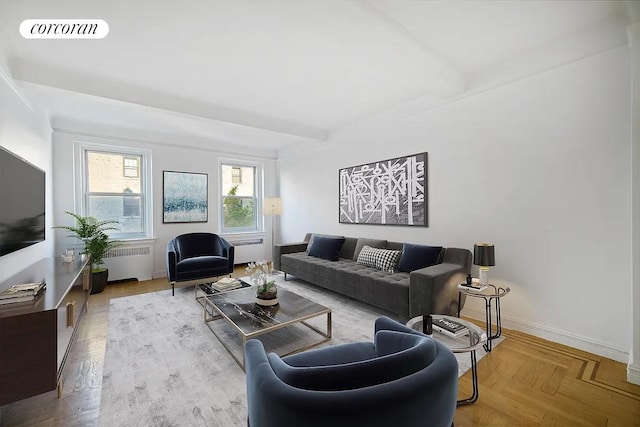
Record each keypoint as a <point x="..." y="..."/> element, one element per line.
<point x="226" y="284"/>
<point x="474" y="287"/>
<point x="23" y="292"/>
<point x="449" y="327"/>
<point x="472" y="284"/>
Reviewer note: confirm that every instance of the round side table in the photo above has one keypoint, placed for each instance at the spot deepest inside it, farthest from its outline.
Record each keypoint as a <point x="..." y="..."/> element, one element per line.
<point x="466" y="343"/>
<point x="491" y="295"/>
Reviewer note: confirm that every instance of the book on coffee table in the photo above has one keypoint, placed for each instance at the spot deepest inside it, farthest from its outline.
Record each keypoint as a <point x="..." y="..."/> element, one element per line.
<point x="226" y="284"/>
<point x="449" y="327"/>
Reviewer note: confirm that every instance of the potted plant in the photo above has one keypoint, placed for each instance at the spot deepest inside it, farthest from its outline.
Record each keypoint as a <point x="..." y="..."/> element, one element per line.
<point x="96" y="244"/>
<point x="266" y="290"/>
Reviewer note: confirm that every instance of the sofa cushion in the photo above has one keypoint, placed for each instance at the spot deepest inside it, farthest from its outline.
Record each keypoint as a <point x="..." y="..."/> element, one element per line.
<point x="326" y="247"/>
<point x="373" y="243"/>
<point x="415" y="257"/>
<point x="382" y="259"/>
<point x="200" y="267"/>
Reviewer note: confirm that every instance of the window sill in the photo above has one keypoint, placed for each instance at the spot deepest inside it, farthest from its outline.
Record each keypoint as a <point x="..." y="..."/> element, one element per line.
<point x="243" y="234"/>
<point x="137" y="240"/>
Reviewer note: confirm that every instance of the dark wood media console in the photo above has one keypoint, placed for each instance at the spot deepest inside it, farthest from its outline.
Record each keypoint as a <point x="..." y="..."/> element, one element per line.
<point x="35" y="337"/>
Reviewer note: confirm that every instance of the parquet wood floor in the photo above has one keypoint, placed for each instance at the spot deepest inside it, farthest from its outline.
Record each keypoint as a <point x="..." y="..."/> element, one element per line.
<point x="525" y="381"/>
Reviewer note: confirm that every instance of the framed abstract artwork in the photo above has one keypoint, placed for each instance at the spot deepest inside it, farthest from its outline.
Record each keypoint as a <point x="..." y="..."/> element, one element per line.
<point x="387" y="192"/>
<point x="184" y="197"/>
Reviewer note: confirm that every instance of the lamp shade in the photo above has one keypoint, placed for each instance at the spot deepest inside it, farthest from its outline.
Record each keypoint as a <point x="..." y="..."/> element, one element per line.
<point x="484" y="254"/>
<point x="272" y="206"/>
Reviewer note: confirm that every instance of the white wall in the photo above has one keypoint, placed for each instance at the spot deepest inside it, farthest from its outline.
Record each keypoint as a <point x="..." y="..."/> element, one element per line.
<point x="164" y="157"/>
<point x="26" y="133"/>
<point x="540" y="167"/>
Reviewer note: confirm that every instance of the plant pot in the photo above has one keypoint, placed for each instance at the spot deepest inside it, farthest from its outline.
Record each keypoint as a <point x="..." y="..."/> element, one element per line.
<point x="99" y="281"/>
<point x="267" y="302"/>
<point x="267" y="299"/>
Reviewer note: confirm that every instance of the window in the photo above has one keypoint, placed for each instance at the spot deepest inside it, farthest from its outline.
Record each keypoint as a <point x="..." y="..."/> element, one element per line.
<point x="240" y="185"/>
<point x="131" y="167"/>
<point x="236" y="175"/>
<point x="115" y="188"/>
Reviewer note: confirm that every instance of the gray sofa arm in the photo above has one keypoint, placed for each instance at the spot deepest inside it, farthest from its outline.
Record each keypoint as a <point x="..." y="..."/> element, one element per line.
<point x="286" y="248"/>
<point x="434" y="290"/>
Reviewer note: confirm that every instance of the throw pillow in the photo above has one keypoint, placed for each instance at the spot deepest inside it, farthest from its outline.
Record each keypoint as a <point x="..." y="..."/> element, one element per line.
<point x="367" y="257"/>
<point x="326" y="247"/>
<point x="372" y="243"/>
<point x="320" y="235"/>
<point x="415" y="257"/>
<point x="388" y="260"/>
<point x="382" y="259"/>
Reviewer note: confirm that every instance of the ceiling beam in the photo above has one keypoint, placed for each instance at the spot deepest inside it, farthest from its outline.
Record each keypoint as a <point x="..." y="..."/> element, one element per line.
<point x="46" y="75"/>
<point x="449" y="75"/>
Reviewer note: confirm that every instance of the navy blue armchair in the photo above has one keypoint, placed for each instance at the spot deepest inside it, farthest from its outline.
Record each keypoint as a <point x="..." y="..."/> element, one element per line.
<point x="196" y="258"/>
<point x="402" y="379"/>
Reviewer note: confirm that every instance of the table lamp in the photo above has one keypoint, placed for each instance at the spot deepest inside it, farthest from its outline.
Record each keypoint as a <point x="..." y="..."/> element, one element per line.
<point x="484" y="256"/>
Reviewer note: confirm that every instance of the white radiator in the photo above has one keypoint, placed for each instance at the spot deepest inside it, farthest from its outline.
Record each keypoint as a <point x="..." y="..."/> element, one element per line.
<point x="248" y="250"/>
<point x="131" y="261"/>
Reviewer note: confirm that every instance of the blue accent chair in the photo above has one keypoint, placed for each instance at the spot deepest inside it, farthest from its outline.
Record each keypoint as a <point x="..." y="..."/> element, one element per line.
<point x="196" y="258"/>
<point x="402" y="379"/>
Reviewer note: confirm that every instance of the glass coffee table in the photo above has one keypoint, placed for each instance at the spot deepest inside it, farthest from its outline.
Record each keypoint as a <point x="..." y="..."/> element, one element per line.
<point x="238" y="308"/>
<point x="465" y="343"/>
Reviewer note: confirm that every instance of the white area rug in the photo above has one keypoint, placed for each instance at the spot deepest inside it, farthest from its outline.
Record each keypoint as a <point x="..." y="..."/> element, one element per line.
<point x="164" y="367"/>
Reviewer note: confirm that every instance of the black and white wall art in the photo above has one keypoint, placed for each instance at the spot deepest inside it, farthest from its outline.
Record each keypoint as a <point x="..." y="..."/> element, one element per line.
<point x="388" y="192"/>
<point x="185" y="197"/>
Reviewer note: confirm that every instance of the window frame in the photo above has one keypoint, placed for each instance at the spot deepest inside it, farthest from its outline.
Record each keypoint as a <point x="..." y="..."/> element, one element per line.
<point x="81" y="150"/>
<point x="257" y="191"/>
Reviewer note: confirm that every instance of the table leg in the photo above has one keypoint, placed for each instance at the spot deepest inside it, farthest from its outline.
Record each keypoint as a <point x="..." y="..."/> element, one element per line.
<point x="474" y="379"/>
<point x="490" y="335"/>
<point x="244" y="353"/>
<point x="488" y="346"/>
<point x="498" y="321"/>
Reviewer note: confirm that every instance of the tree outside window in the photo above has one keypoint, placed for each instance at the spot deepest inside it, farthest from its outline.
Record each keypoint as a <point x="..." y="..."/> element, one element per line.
<point x="239" y="201"/>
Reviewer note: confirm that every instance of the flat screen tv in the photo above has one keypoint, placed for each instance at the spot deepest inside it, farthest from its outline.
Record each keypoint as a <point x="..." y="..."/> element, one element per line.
<point x="22" y="203"/>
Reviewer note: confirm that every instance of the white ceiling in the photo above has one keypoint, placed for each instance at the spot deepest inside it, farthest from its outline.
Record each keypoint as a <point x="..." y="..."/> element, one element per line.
<point x="271" y="74"/>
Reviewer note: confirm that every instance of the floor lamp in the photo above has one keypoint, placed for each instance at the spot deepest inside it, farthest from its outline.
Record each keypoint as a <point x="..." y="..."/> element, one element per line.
<point x="272" y="206"/>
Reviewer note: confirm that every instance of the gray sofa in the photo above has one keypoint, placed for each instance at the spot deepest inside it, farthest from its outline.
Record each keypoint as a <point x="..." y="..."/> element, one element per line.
<point x="429" y="290"/>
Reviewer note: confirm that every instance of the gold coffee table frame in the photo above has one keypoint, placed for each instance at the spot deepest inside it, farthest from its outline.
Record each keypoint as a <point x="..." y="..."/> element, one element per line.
<point x="238" y="308"/>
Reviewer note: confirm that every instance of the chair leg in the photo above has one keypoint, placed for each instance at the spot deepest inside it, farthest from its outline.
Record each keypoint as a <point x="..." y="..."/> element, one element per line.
<point x="173" y="290"/>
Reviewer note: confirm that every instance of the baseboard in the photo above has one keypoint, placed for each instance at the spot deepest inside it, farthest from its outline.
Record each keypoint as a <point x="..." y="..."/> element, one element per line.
<point x="159" y="274"/>
<point x="561" y="337"/>
<point x="633" y="373"/>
